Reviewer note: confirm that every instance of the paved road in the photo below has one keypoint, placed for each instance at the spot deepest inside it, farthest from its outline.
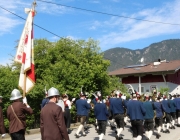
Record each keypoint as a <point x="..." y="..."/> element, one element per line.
<point x="110" y="135"/>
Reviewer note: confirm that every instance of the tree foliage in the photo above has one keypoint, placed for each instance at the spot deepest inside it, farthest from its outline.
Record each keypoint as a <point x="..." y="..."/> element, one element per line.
<point x="68" y="64"/>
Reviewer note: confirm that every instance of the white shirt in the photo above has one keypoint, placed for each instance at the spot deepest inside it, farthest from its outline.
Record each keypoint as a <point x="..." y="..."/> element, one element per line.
<point x="61" y="104"/>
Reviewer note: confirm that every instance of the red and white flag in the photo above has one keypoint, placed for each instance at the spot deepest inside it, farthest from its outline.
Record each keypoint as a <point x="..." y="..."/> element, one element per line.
<point x="25" y="55"/>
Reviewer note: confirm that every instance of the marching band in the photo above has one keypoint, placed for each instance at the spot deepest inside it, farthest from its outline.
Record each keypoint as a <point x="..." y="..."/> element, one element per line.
<point x="146" y="114"/>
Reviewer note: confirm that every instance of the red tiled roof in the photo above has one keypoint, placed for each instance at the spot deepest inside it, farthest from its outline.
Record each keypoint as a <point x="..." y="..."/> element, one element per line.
<point x="163" y="67"/>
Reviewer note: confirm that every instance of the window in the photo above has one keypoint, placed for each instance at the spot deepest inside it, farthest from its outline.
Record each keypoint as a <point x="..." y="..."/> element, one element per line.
<point x="142" y="89"/>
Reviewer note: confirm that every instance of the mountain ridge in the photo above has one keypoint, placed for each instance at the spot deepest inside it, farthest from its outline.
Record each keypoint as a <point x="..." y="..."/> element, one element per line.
<point x="122" y="57"/>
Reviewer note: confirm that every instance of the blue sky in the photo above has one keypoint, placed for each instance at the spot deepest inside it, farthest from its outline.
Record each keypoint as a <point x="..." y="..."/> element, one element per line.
<point x="111" y="31"/>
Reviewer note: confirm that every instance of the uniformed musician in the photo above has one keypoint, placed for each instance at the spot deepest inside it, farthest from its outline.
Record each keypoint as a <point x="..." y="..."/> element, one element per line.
<point x="158" y="116"/>
<point x="101" y="114"/>
<point x="167" y="118"/>
<point x="136" y="112"/>
<point x="149" y="122"/>
<point x="118" y="110"/>
<point x="82" y="105"/>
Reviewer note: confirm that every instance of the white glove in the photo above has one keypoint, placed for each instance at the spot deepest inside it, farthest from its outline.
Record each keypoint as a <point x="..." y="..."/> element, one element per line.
<point x="73" y="99"/>
<point x="24" y="100"/>
<point x="88" y="101"/>
<point x="3" y="135"/>
<point x="123" y="97"/>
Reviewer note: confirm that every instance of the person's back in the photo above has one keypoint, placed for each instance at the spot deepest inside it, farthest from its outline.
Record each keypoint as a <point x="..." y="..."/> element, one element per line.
<point x="16" y="114"/>
<point x="117" y="106"/>
<point x="50" y="127"/>
<point x="158" y="109"/>
<point x="82" y="106"/>
<point x="177" y="103"/>
<point x="52" y="123"/>
<point x="135" y="110"/>
<point x="166" y="105"/>
<point x="149" y="110"/>
<point x="100" y="111"/>
<point x="172" y="106"/>
<point x="21" y="110"/>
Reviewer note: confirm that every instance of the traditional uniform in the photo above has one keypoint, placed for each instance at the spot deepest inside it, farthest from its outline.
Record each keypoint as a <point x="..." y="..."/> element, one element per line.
<point x="16" y="114"/>
<point x="159" y="116"/>
<point x="136" y="112"/>
<point x="82" y="107"/>
<point x="173" y="112"/>
<point x="177" y="103"/>
<point x="167" y="118"/>
<point x="52" y="123"/>
<point x="101" y="114"/>
<point x="149" y="122"/>
<point x="118" y="107"/>
<point x="111" y="116"/>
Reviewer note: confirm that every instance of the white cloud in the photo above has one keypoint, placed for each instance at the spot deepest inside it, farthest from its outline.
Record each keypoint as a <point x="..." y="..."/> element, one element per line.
<point x="95" y="25"/>
<point x="126" y="30"/>
<point x="52" y="9"/>
<point x="54" y="38"/>
<point x="8" y="21"/>
<point x="72" y="37"/>
<point x="7" y="24"/>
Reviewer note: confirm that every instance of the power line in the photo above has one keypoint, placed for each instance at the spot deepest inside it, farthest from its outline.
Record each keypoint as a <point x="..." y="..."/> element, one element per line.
<point x="33" y="23"/>
<point x="109" y="13"/>
<point x="52" y="32"/>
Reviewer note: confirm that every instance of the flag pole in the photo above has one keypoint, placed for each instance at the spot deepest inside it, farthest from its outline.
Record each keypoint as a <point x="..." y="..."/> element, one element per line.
<point x="34" y="5"/>
<point x="24" y="91"/>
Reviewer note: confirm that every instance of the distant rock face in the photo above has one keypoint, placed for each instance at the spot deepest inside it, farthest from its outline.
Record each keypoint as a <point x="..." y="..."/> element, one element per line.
<point x="122" y="57"/>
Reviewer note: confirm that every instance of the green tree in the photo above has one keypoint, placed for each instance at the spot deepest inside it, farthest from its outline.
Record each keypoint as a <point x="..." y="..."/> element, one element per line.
<point x="68" y="64"/>
<point x="164" y="91"/>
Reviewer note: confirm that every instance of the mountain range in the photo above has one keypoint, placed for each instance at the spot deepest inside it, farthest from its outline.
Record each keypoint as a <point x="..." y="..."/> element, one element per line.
<point x="122" y="57"/>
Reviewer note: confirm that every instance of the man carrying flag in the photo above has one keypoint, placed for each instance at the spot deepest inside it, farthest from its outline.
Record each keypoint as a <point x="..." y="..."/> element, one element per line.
<point x="16" y="112"/>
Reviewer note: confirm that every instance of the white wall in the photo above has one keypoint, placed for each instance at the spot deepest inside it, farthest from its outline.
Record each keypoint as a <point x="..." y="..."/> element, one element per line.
<point x="147" y="86"/>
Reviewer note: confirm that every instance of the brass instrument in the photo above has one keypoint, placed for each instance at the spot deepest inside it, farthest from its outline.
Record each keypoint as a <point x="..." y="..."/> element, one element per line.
<point x="131" y="88"/>
<point x="92" y="105"/>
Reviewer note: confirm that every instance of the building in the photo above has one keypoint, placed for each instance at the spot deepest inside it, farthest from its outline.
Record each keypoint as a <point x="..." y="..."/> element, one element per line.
<point x="146" y="77"/>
